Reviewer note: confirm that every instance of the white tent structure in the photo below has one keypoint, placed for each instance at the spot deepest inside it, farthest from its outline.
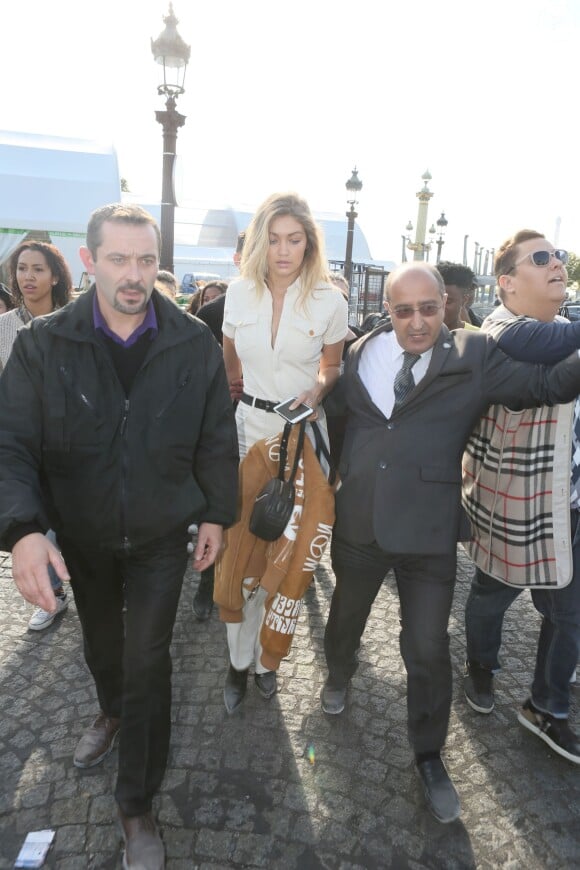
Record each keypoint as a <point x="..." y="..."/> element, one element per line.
<point x="51" y="184"/>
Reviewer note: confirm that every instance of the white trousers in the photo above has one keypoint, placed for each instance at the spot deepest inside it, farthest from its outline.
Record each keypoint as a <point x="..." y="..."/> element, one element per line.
<point x="244" y="637"/>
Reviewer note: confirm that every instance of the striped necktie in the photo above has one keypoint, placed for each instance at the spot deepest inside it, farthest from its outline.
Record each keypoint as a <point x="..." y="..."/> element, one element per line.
<point x="404" y="382"/>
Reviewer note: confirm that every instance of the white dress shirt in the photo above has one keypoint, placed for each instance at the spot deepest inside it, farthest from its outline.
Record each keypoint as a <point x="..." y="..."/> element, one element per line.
<point x="380" y="361"/>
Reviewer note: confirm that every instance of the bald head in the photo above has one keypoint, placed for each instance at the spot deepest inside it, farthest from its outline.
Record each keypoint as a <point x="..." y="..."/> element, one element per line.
<point x="415" y="270"/>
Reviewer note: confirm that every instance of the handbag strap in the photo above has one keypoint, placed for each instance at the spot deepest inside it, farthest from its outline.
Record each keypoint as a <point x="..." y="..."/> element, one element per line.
<point x="322" y="449"/>
<point x="284" y="450"/>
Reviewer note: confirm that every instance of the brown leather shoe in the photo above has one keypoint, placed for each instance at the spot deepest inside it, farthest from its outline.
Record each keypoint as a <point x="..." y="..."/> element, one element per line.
<point x="96" y="742"/>
<point x="143" y="845"/>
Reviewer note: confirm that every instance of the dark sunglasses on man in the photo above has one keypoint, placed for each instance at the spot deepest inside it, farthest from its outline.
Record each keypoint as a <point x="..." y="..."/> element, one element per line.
<point x="425" y="309"/>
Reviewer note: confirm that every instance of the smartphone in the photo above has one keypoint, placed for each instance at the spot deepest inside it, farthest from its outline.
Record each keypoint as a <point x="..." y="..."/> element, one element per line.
<point x="294" y="415"/>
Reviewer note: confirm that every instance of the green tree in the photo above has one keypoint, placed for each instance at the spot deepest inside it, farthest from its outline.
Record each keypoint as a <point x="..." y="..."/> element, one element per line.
<point x="124" y="186"/>
<point x="573" y="268"/>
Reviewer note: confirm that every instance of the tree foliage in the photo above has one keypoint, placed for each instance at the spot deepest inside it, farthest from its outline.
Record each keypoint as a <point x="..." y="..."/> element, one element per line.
<point x="573" y="269"/>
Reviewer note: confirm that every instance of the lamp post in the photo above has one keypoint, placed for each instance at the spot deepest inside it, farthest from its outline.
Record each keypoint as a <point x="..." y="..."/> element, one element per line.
<point x="485" y="262"/>
<point x="420" y="247"/>
<point x="353" y="186"/>
<point x="476" y="258"/>
<point x="442" y="224"/>
<point x="172" y="54"/>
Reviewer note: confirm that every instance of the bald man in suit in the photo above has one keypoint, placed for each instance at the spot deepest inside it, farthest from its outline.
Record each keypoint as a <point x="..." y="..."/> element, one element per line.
<point x="414" y="391"/>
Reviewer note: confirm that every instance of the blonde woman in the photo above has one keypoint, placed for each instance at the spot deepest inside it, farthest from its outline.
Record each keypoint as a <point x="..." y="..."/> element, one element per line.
<point x="284" y="329"/>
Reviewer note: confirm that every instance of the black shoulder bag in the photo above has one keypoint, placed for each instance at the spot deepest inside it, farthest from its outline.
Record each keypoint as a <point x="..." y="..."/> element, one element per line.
<point x="274" y="504"/>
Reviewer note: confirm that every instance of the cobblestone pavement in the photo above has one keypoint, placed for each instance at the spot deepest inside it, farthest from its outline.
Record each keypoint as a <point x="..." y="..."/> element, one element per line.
<point x="279" y="784"/>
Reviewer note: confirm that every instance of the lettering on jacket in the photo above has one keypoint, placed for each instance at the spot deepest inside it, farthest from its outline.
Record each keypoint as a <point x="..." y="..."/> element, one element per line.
<point x="283" y="614"/>
<point x="317" y="547"/>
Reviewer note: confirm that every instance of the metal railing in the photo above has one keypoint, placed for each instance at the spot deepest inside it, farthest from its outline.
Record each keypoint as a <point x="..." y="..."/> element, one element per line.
<point x="367" y="289"/>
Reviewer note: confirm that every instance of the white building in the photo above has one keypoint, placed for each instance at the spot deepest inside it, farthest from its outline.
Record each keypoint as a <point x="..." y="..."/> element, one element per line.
<point x="51" y="185"/>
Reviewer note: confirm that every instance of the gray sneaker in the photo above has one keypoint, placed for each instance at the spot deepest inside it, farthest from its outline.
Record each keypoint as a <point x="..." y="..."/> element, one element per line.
<point x="333" y="700"/>
<point x="42" y="619"/>
<point x="478" y="687"/>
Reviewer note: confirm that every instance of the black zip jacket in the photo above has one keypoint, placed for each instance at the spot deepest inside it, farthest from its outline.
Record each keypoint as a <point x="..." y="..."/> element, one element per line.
<point x="77" y="456"/>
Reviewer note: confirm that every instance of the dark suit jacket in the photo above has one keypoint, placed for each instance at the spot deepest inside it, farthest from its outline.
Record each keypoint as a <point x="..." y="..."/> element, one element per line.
<point x="401" y="476"/>
<point x="212" y="313"/>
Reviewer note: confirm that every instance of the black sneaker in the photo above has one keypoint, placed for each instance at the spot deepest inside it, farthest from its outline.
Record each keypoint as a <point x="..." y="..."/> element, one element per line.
<point x="555" y="732"/>
<point x="478" y="687"/>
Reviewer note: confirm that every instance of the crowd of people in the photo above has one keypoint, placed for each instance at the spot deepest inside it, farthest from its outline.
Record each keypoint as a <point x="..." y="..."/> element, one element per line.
<point x="133" y="432"/>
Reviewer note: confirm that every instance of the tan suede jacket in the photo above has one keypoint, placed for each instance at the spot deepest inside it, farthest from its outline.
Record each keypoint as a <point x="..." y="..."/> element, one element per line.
<point x="283" y="567"/>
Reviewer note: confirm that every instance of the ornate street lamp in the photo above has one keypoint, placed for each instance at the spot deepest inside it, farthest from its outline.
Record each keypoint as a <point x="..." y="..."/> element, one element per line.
<point x="172" y="54"/>
<point x="420" y="247"/>
<point x="442" y="225"/>
<point x="353" y="186"/>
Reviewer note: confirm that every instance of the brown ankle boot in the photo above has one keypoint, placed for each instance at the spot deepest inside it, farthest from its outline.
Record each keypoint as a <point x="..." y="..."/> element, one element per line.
<point x="143" y="844"/>
<point x="96" y="742"/>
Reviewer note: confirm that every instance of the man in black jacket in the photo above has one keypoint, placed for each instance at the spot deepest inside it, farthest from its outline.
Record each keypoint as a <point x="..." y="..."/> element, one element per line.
<point x="117" y="431"/>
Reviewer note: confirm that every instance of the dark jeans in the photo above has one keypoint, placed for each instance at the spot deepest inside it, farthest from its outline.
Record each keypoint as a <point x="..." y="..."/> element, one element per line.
<point x="559" y="641"/>
<point x="425" y="585"/>
<point x="128" y="654"/>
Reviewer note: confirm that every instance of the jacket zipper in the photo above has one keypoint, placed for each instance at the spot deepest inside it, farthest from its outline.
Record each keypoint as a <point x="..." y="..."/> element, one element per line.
<point x="124" y="468"/>
<point x="181" y="386"/>
<point x="67" y="377"/>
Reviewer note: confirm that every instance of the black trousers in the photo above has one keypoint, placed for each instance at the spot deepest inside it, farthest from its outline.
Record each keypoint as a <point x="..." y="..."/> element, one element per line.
<point x="128" y="654"/>
<point x="425" y="585"/>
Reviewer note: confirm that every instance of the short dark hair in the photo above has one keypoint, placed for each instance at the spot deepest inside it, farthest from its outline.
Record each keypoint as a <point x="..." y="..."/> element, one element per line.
<point x="507" y="253"/>
<point x="168" y="282"/>
<point x="456" y="273"/>
<point x="118" y="212"/>
<point x="168" y="277"/>
<point x="57" y="264"/>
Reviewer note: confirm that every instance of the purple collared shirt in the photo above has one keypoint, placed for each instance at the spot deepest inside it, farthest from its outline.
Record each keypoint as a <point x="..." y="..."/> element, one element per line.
<point x="150" y="322"/>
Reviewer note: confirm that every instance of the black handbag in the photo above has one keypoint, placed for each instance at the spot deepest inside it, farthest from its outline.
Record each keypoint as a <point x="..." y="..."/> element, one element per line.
<point x="275" y="502"/>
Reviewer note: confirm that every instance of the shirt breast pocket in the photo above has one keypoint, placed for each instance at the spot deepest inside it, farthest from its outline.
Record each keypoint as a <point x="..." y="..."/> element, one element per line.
<point x="459" y="375"/>
<point x="248" y="331"/>
<point x="308" y="338"/>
